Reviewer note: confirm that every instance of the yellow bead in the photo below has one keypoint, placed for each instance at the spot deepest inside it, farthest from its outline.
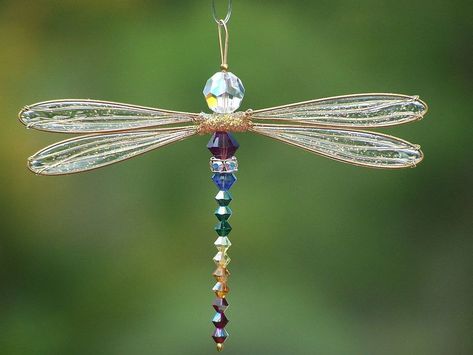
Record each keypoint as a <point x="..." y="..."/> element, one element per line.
<point x="221" y="274"/>
<point x="221" y="289"/>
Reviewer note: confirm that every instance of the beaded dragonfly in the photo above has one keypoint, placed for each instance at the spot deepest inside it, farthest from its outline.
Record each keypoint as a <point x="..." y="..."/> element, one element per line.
<point x="331" y="127"/>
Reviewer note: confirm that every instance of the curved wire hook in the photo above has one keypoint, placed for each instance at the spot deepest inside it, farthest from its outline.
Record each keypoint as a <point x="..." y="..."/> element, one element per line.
<point x="223" y="43"/>
<point x="227" y="17"/>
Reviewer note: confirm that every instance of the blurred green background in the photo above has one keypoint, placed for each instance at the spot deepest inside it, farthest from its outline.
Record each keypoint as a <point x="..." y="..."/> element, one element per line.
<point x="327" y="258"/>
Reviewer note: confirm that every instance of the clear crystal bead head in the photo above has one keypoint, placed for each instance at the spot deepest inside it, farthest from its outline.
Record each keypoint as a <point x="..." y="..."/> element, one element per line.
<point x="224" y="92"/>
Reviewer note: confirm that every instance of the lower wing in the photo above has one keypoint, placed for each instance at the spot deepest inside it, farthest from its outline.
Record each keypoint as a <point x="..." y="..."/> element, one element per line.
<point x="374" y="150"/>
<point x="97" y="150"/>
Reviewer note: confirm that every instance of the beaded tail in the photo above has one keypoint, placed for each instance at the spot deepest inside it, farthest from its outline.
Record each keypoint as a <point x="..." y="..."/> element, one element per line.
<point x="223" y="164"/>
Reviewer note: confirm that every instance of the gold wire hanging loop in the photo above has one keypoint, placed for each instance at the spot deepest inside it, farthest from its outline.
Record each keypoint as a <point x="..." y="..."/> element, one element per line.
<point x="223" y="44"/>
<point x="227" y="17"/>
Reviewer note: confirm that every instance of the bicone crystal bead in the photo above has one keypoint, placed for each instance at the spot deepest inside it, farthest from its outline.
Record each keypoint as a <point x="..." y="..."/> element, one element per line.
<point x="222" y="259"/>
<point x="221" y="289"/>
<point x="221" y="274"/>
<point x="223" y="243"/>
<point x="224" y="181"/>
<point x="220" y="335"/>
<point x="223" y="228"/>
<point x="220" y="320"/>
<point x="224" y="92"/>
<point x="222" y="145"/>
<point x="220" y="304"/>
<point x="223" y="198"/>
<point x="223" y="213"/>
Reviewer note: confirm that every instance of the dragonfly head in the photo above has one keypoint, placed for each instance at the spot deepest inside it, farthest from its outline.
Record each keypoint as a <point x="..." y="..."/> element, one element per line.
<point x="224" y="92"/>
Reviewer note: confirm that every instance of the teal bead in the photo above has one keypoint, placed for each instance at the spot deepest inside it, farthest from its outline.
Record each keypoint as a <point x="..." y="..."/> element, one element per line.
<point x="223" y="213"/>
<point x="223" y="228"/>
<point x="223" y="198"/>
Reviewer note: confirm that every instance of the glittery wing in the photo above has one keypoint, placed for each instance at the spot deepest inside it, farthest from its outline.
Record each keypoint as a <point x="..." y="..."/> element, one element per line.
<point x="356" y="111"/>
<point x="361" y="148"/>
<point x="97" y="150"/>
<point x="89" y="116"/>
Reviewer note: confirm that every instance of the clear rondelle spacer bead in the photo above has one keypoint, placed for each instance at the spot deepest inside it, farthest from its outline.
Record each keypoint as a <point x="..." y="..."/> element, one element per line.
<point x="223" y="165"/>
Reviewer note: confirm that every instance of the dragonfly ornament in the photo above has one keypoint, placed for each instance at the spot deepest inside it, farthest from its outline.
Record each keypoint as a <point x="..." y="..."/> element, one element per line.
<point x="333" y="127"/>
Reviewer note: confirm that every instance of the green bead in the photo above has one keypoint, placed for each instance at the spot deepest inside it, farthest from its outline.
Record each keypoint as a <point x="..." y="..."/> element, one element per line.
<point x="223" y="213"/>
<point x="223" y="228"/>
<point x="223" y="198"/>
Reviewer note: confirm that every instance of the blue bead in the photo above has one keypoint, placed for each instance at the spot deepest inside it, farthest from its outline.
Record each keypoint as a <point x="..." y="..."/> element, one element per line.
<point x="224" y="181"/>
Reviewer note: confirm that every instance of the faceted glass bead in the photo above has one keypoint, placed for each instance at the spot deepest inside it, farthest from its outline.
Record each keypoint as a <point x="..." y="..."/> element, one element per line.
<point x="223" y="213"/>
<point x="223" y="198"/>
<point x="224" y="181"/>
<point x="224" y="92"/>
<point x="221" y="274"/>
<point x="223" y="243"/>
<point x="223" y="228"/>
<point x="220" y="320"/>
<point x="221" y="289"/>
<point x="220" y="304"/>
<point x="222" y="258"/>
<point x="220" y="335"/>
<point x="222" y="145"/>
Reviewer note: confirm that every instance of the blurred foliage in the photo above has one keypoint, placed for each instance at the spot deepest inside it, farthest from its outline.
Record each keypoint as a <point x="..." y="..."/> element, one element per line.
<point x="327" y="258"/>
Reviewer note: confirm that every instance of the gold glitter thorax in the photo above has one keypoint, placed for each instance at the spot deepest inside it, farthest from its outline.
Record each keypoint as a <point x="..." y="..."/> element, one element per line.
<point x="336" y="127"/>
<point x="224" y="122"/>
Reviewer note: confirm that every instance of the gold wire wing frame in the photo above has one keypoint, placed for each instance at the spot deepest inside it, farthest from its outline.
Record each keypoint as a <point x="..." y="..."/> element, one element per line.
<point x="349" y="111"/>
<point x="331" y="127"/>
<point x="97" y="150"/>
<point x="362" y="148"/>
<point x="119" y="132"/>
<point x="92" y="116"/>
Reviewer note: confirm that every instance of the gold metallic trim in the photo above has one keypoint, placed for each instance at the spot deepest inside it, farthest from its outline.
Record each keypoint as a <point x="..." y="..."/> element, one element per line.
<point x="231" y="122"/>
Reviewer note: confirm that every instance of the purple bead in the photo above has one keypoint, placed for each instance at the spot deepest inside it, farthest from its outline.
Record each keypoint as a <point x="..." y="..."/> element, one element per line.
<point x="222" y="145"/>
<point x="220" y="320"/>
<point x="220" y="335"/>
<point x="224" y="181"/>
<point x="220" y="304"/>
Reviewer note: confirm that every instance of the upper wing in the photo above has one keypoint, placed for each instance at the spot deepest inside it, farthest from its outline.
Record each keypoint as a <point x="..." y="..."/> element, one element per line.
<point x="94" y="151"/>
<point x="88" y="116"/>
<point x="361" y="148"/>
<point x="357" y="111"/>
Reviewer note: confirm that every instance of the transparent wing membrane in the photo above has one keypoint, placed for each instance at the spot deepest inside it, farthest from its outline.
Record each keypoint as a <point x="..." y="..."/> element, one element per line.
<point x="357" y="111"/>
<point x="94" y="151"/>
<point x="88" y="116"/>
<point x="355" y="147"/>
